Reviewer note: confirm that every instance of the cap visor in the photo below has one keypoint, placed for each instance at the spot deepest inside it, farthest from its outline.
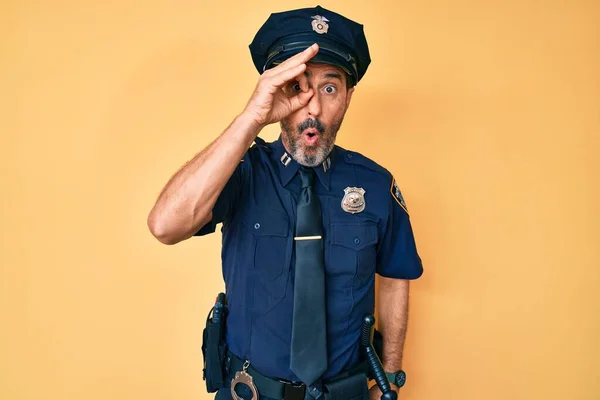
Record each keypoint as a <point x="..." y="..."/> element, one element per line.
<point x="322" y="57"/>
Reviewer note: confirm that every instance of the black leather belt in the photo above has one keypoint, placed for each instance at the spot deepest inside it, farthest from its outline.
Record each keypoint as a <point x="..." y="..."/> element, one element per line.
<point x="280" y="389"/>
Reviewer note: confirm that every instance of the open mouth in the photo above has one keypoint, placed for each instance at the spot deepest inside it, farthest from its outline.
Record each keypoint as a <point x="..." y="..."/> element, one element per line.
<point x="311" y="136"/>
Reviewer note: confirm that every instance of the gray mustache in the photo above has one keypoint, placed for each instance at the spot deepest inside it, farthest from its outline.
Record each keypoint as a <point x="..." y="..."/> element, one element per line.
<point x="311" y="123"/>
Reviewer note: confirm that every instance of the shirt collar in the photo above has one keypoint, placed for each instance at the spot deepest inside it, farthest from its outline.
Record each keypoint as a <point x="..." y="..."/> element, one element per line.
<point x="288" y="166"/>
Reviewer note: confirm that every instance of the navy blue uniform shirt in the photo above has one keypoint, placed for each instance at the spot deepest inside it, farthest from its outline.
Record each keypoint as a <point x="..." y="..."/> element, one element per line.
<point x="257" y="209"/>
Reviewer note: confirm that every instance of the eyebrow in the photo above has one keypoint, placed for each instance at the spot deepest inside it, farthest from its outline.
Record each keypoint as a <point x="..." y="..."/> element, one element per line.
<point x="334" y="75"/>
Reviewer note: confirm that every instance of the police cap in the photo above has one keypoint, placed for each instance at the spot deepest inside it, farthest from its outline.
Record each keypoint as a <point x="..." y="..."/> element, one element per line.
<point x="342" y="42"/>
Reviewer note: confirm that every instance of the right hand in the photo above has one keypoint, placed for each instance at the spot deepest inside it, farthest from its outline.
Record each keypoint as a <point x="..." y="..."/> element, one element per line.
<point x="270" y="102"/>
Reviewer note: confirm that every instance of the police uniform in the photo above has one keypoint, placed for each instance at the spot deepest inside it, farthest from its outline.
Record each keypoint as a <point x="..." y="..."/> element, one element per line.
<point x="366" y="225"/>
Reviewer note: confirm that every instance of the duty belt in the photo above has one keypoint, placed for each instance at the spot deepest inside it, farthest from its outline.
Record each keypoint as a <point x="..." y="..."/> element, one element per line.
<point x="281" y="389"/>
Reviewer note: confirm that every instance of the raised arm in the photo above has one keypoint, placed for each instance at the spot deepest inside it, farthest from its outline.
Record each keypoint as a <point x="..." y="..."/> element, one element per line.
<point x="185" y="204"/>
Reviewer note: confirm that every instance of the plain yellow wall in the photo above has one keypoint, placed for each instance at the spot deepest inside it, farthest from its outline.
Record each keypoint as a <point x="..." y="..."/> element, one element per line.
<point x="488" y="114"/>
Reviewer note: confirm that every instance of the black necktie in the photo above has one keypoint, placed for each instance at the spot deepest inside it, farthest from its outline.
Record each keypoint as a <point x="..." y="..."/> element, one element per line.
<point x="308" y="358"/>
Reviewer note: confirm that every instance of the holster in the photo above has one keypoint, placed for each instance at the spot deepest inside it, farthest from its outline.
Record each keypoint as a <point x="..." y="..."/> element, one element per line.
<point x="378" y="343"/>
<point x="214" y="349"/>
<point x="353" y="387"/>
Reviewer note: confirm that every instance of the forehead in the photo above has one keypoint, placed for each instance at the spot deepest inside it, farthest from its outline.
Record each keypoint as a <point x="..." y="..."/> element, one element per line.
<point x="321" y="70"/>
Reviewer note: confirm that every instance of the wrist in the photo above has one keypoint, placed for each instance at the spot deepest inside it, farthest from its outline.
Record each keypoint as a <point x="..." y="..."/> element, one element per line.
<point x="249" y="119"/>
<point x="245" y="128"/>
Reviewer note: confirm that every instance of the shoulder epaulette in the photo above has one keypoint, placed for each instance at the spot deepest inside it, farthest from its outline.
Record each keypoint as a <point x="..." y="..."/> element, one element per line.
<point x="353" y="157"/>
<point x="260" y="143"/>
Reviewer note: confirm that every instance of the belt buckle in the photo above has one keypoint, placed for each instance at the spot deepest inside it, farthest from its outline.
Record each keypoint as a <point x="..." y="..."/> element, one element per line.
<point x="293" y="391"/>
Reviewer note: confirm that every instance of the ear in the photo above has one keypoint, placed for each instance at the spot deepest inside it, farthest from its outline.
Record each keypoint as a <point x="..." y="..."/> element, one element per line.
<point x="349" y="97"/>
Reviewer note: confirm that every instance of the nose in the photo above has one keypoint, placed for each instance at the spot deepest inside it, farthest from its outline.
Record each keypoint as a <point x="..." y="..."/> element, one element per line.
<point x="314" y="104"/>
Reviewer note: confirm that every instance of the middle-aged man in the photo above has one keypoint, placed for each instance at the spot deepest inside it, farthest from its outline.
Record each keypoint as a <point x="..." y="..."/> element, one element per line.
<point x="306" y="224"/>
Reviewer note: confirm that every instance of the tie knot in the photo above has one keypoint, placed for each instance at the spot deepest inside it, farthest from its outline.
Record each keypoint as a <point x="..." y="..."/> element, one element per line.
<point x="307" y="176"/>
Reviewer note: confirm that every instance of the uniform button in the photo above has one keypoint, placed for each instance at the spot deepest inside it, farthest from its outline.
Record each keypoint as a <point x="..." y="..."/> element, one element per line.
<point x="256" y="225"/>
<point x="349" y="155"/>
<point x="356" y="241"/>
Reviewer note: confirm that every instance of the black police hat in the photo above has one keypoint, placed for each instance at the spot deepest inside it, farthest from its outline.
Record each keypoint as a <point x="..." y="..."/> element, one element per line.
<point x="342" y="42"/>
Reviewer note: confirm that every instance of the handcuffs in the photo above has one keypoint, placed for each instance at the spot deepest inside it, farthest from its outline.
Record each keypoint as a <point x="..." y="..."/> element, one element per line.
<point x="244" y="378"/>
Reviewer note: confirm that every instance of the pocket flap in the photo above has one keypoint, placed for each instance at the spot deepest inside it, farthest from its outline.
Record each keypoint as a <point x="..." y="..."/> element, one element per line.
<point x="269" y="223"/>
<point x="354" y="235"/>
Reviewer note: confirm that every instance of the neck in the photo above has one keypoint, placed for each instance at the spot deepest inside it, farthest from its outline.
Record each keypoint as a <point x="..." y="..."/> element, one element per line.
<point x="285" y="143"/>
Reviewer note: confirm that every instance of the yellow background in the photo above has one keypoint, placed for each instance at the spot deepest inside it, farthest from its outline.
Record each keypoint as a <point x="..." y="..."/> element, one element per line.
<point x="487" y="113"/>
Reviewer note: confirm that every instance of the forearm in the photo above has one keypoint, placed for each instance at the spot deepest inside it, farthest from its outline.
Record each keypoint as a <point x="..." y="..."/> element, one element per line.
<point x="393" y="320"/>
<point x="186" y="202"/>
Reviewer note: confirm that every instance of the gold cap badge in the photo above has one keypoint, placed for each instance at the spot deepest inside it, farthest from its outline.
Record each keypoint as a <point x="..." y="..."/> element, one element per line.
<point x="319" y="24"/>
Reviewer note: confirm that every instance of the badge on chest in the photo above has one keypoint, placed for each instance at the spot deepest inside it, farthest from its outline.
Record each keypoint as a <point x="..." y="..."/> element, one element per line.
<point x="354" y="200"/>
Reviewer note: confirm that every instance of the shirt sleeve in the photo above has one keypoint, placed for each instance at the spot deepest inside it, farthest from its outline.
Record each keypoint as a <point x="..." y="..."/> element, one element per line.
<point x="226" y="202"/>
<point x="397" y="254"/>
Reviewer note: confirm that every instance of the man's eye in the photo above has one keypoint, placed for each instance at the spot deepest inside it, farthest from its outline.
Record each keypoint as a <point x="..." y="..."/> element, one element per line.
<point x="296" y="87"/>
<point x="330" y="89"/>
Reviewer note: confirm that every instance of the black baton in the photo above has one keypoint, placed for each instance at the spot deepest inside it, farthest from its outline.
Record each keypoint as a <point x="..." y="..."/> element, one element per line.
<point x="366" y="342"/>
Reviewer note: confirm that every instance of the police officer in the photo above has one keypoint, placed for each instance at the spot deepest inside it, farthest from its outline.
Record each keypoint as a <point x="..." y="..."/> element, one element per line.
<point x="306" y="224"/>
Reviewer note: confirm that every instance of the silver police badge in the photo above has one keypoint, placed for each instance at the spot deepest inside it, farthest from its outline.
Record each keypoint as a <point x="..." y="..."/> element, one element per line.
<point x="319" y="24"/>
<point x="354" y="200"/>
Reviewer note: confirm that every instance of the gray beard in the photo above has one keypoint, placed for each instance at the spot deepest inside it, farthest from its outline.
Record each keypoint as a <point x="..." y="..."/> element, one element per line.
<point x="317" y="154"/>
<point x="302" y="157"/>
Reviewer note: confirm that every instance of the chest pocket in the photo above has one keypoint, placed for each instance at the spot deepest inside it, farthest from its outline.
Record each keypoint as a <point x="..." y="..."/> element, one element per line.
<point x="353" y="251"/>
<point x="271" y="255"/>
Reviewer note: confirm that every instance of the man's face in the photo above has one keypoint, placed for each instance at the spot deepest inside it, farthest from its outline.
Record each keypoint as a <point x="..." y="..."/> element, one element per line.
<point x="309" y="133"/>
